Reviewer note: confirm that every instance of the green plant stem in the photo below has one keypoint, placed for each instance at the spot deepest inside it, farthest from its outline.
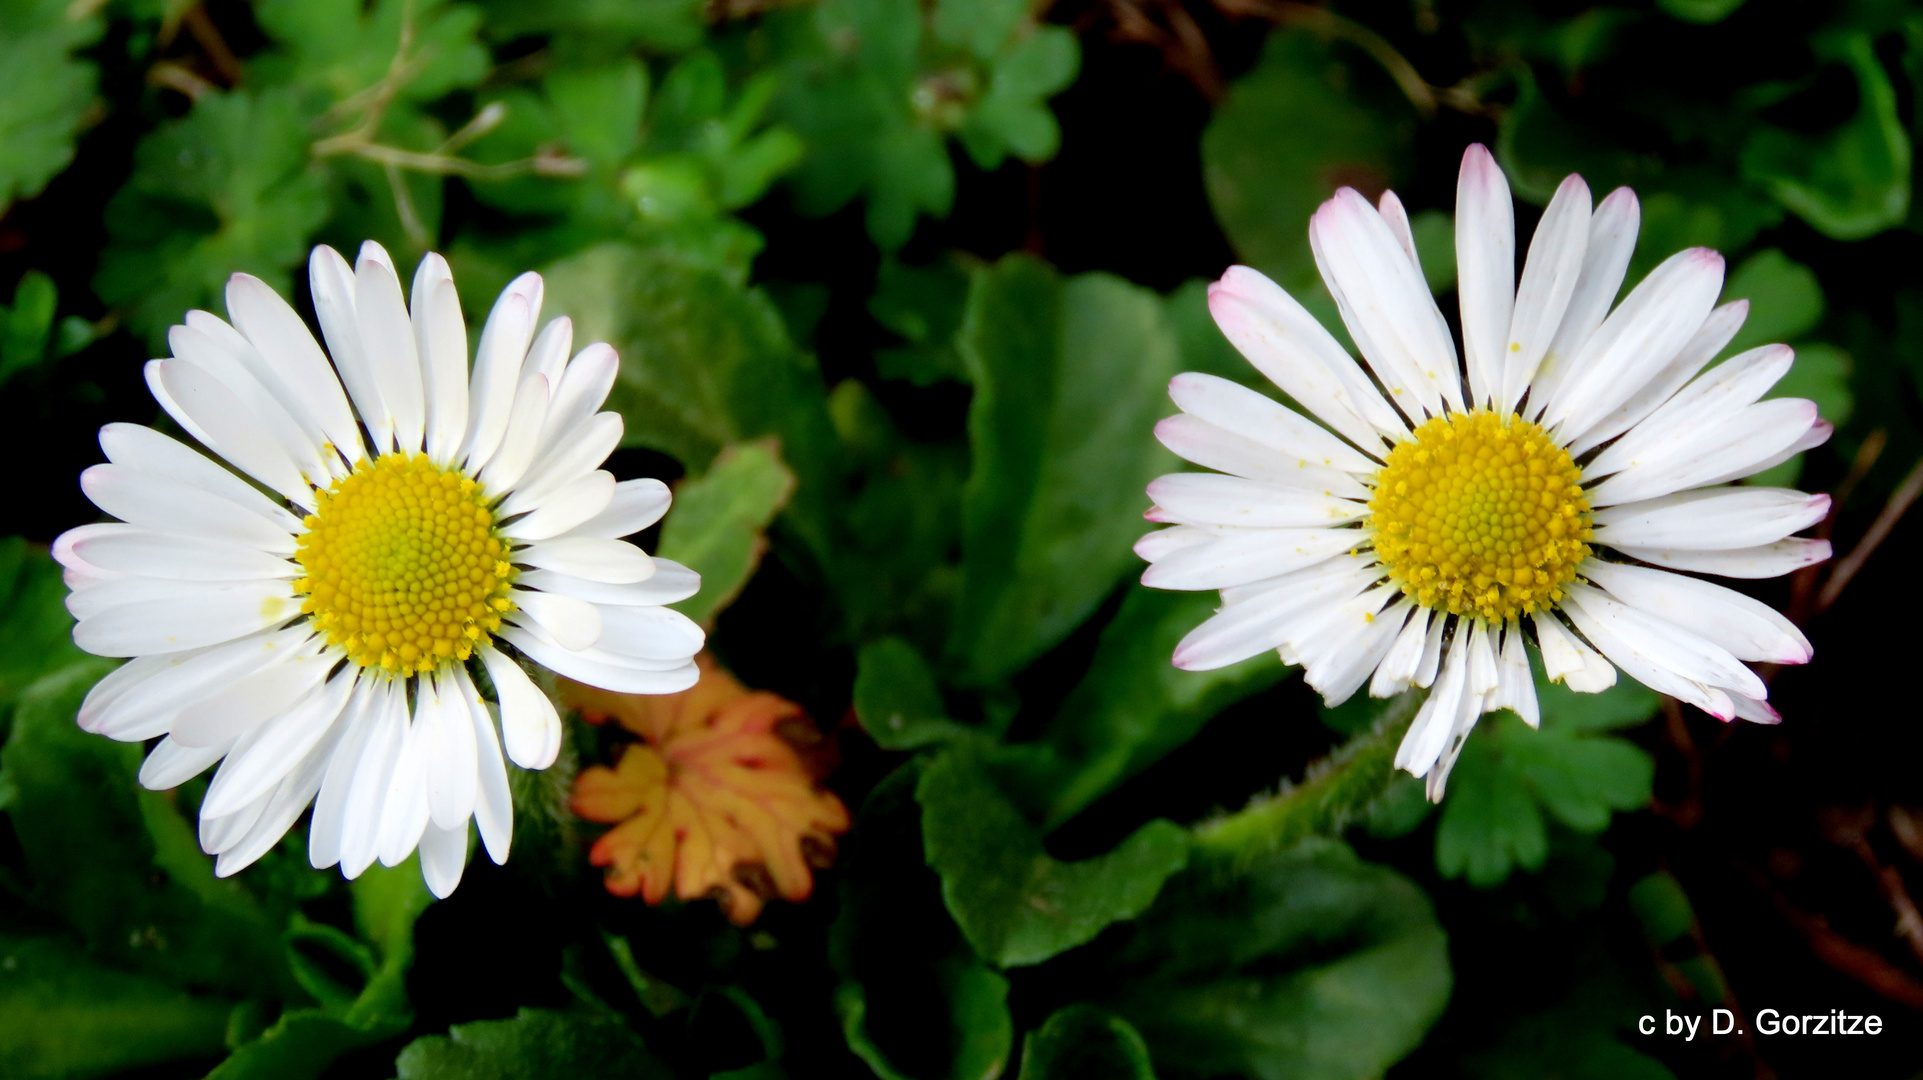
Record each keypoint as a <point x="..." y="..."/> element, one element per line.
<point x="1335" y="790"/>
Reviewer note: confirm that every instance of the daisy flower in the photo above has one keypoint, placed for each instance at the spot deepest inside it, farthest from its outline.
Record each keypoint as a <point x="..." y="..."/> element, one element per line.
<point x="1556" y="486"/>
<point x="393" y="531"/>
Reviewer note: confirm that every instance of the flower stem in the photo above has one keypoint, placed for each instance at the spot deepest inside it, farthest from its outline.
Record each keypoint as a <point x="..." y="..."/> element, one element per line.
<point x="1332" y="794"/>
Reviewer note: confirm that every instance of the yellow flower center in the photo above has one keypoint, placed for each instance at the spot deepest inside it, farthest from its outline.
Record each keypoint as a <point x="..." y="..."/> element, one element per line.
<point x="1480" y="515"/>
<point x="404" y="568"/>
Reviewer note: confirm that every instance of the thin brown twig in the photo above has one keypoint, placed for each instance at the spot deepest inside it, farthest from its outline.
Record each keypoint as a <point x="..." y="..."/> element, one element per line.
<point x="175" y="76"/>
<point x="1803" y="583"/>
<point x="1848" y="827"/>
<point x="1687" y="813"/>
<point x="1327" y="23"/>
<point x="208" y="37"/>
<point x="1866" y="966"/>
<point x="1879" y="530"/>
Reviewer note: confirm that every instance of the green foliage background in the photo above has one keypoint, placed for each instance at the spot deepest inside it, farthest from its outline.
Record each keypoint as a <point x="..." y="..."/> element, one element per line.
<point x="897" y="287"/>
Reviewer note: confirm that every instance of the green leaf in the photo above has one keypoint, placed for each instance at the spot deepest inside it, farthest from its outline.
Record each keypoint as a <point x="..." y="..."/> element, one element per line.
<point x="1082" y="1042"/>
<point x="1070" y="378"/>
<point x="1015" y="903"/>
<point x="603" y="26"/>
<point x="718" y="524"/>
<point x="62" y="1016"/>
<point x="915" y="1002"/>
<point x="34" y="621"/>
<point x="26" y="325"/>
<point x="1133" y="706"/>
<point x="1569" y="1043"/>
<point x="1312" y="965"/>
<point x="1290" y="133"/>
<point x="534" y="1045"/>
<point x="1821" y="373"/>
<point x="1702" y="12"/>
<point x="924" y="305"/>
<point x="705" y="363"/>
<point x="117" y="863"/>
<point x="344" y="47"/>
<point x="1785" y="300"/>
<point x="1854" y="180"/>
<point x="1509" y="774"/>
<point x="896" y="698"/>
<point x="49" y="90"/>
<point x="229" y="188"/>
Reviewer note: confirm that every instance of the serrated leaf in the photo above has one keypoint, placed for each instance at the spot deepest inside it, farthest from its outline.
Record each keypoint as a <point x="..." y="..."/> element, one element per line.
<point x="34" y="621"/>
<point x="718" y="523"/>
<point x="1014" y="903"/>
<point x="228" y="188"/>
<point x="1313" y="964"/>
<point x="1854" y="180"/>
<point x="923" y="304"/>
<point x="117" y="863"/>
<point x="1071" y="376"/>
<point x="602" y="26"/>
<point x="536" y="1044"/>
<point x="915" y="1003"/>
<point x="1082" y="1042"/>
<point x="65" y="1017"/>
<point x="344" y="47"/>
<point x="1785" y="300"/>
<point x="1290" y="132"/>
<point x="49" y="91"/>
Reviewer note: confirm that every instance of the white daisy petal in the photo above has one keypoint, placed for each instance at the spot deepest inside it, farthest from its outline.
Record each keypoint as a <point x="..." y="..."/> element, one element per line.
<point x="134" y="550"/>
<point x="1337" y="672"/>
<point x="1735" y="446"/>
<point x="138" y="700"/>
<point x="634" y="506"/>
<point x="1818" y="434"/>
<point x="332" y="283"/>
<point x="649" y="633"/>
<point x="1431" y="661"/>
<point x="198" y="615"/>
<point x="264" y="757"/>
<point x="597" y="668"/>
<point x="1518" y="686"/>
<point x="516" y="450"/>
<point x="308" y="381"/>
<point x="143" y="448"/>
<point x="370" y="777"/>
<point x="1755" y="711"/>
<point x="251" y="699"/>
<point x="1749" y="629"/>
<point x="357" y="723"/>
<point x="578" y="396"/>
<point x="1153" y="547"/>
<point x="452" y="754"/>
<point x="574" y="624"/>
<point x="1249" y="555"/>
<point x="1717" y="331"/>
<point x="221" y="350"/>
<point x="671" y="582"/>
<point x="1285" y="343"/>
<point x="387" y="340"/>
<point x="1711" y="519"/>
<point x="170" y="764"/>
<point x="1202" y="443"/>
<point x="1612" y="240"/>
<point x="557" y="466"/>
<point x="595" y="558"/>
<point x="280" y="810"/>
<point x="494" y="802"/>
<point x="1486" y="271"/>
<point x="1662" y="655"/>
<point x="1397" y="671"/>
<point x="440" y="340"/>
<point x="215" y="416"/>
<point x="567" y="509"/>
<point x="1548" y="284"/>
<point x="1396" y="217"/>
<point x="530" y="727"/>
<point x="497" y="367"/>
<point x="443" y="857"/>
<point x="548" y="356"/>
<point x="1716" y="397"/>
<point x="404" y="809"/>
<point x="164" y="504"/>
<point x="1429" y="733"/>
<point x="1216" y="499"/>
<point x="1237" y="409"/>
<point x="1763" y="561"/>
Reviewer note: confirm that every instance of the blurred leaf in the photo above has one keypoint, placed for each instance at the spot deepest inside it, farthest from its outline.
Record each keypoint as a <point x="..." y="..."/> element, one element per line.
<point x="1082" y="1042"/>
<point x="719" y="519"/>
<point x="1070" y="378"/>
<point x="228" y="188"/>
<point x="536" y="1044"/>
<point x="1133" y="706"/>
<point x="924" y="305"/>
<point x="26" y="325"/>
<point x="344" y="47"/>
<point x="1821" y="373"/>
<point x="1785" y="300"/>
<point x="33" y="619"/>
<point x="1699" y="11"/>
<point x="1435" y="236"/>
<point x="1291" y="132"/>
<point x="1312" y="965"/>
<point x="893" y="565"/>
<point x="1569" y="1043"/>
<point x="1853" y="181"/>
<point x="117" y="863"/>
<point x="896" y="698"/>
<point x="1012" y="118"/>
<point x="1015" y="904"/>
<point x="915" y="1003"/>
<point x="63" y="1017"/>
<point x="49" y="90"/>
<point x="704" y="363"/>
<point x="600" y="26"/>
<point x="1492" y="820"/>
<point x="1538" y="147"/>
<point x="1400" y="809"/>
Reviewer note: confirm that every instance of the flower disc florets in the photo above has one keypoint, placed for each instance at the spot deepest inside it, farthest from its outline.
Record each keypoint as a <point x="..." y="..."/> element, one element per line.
<point x="404" y="567"/>
<point x="1480" y="514"/>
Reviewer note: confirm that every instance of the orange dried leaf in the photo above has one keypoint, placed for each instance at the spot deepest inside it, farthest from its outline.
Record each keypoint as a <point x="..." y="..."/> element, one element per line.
<point x="720" y="799"/>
